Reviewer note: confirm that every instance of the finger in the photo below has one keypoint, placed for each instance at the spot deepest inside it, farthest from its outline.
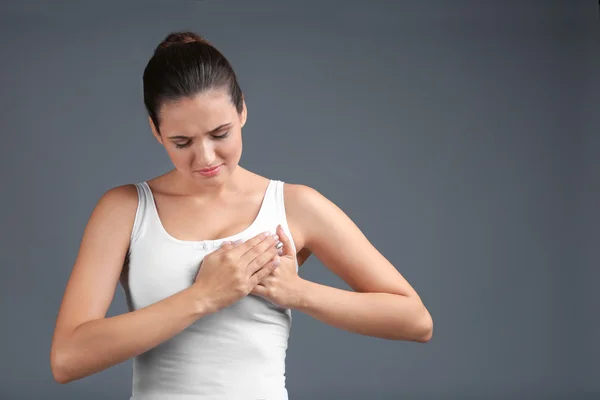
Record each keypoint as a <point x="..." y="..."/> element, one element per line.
<point x="269" y="279"/>
<point x="259" y="290"/>
<point x="287" y="244"/>
<point x="263" y="272"/>
<point x="265" y="259"/>
<point x="225" y="246"/>
<point x="260" y="254"/>
<point x="237" y="243"/>
<point x="263" y="283"/>
<point x="243" y="248"/>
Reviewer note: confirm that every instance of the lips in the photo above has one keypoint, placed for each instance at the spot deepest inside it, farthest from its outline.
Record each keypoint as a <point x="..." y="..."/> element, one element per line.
<point x="205" y="170"/>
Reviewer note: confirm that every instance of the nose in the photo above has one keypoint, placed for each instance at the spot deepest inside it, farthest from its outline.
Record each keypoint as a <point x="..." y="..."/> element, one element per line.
<point x="204" y="154"/>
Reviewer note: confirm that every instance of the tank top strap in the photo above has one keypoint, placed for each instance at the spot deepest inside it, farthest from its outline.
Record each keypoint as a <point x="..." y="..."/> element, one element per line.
<point x="277" y="200"/>
<point x="278" y="210"/>
<point x="144" y="208"/>
<point x="269" y="201"/>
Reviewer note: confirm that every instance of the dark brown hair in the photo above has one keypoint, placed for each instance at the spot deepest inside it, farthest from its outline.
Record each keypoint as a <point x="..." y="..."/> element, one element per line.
<point x="185" y="64"/>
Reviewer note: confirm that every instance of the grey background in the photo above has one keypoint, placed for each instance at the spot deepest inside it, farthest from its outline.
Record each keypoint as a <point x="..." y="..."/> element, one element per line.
<point x="462" y="138"/>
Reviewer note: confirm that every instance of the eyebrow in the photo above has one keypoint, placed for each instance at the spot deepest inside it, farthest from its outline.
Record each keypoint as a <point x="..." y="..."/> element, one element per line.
<point x="218" y="128"/>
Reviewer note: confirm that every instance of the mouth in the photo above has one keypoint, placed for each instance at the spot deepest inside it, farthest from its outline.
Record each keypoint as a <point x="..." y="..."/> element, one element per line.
<point x="211" y="169"/>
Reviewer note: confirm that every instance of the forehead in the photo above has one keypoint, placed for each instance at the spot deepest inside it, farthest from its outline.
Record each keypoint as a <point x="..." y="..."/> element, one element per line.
<point x="202" y="111"/>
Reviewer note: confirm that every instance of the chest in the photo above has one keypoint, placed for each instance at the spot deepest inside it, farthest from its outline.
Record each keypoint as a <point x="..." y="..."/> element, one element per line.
<point x="189" y="220"/>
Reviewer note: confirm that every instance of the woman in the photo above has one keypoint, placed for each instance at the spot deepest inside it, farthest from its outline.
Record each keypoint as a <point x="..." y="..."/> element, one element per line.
<point x="198" y="251"/>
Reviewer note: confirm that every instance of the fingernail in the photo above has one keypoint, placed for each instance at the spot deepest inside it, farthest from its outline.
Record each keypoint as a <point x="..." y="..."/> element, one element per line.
<point x="266" y="234"/>
<point x="239" y="241"/>
<point x="276" y="262"/>
<point x="276" y="237"/>
<point x="280" y="252"/>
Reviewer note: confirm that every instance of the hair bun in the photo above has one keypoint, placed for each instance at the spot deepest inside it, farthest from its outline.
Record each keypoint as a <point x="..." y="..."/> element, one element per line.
<point x="180" y="38"/>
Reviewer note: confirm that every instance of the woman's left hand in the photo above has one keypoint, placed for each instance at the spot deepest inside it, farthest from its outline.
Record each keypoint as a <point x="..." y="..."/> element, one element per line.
<point x="283" y="287"/>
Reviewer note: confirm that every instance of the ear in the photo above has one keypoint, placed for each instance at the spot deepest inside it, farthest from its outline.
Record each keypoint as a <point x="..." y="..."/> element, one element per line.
<point x="155" y="131"/>
<point x="244" y="114"/>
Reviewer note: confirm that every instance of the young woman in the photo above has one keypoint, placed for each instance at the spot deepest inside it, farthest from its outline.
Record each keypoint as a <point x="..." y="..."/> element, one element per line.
<point x="199" y="252"/>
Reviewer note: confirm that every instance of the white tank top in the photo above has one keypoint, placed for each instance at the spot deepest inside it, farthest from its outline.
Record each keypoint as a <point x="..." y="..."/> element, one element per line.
<point x="236" y="353"/>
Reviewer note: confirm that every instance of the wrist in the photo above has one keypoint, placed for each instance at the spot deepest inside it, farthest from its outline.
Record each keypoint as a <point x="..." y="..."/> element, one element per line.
<point x="303" y="294"/>
<point x="201" y="302"/>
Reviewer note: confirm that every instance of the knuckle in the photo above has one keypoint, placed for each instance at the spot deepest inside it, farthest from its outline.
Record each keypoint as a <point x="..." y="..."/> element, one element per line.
<point x="228" y="258"/>
<point x="240" y="284"/>
<point x="239" y="277"/>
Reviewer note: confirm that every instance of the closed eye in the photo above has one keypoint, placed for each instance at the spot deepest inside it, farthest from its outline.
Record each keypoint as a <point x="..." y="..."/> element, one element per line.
<point x="223" y="136"/>
<point x="183" y="145"/>
<point x="189" y="142"/>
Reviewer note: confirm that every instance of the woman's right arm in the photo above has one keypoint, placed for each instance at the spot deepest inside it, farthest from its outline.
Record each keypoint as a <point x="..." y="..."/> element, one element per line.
<point x="85" y="341"/>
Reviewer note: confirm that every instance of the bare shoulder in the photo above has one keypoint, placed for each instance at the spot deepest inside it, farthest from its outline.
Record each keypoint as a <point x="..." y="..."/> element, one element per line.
<point x="292" y="197"/>
<point x="121" y="200"/>
<point x="110" y="225"/>
<point x="115" y="211"/>
<point x="303" y="201"/>
<point x="298" y="195"/>
<point x="305" y="207"/>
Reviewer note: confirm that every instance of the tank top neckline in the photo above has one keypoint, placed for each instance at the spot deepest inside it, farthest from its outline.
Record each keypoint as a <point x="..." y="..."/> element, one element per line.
<point x="208" y="242"/>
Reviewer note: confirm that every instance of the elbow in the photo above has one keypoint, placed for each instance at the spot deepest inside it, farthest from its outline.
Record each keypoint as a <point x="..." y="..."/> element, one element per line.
<point x="425" y="335"/>
<point x="59" y="366"/>
<point x="424" y="331"/>
<point x="418" y="328"/>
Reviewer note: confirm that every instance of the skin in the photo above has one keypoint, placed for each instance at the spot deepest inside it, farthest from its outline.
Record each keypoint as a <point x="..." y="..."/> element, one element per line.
<point x="382" y="303"/>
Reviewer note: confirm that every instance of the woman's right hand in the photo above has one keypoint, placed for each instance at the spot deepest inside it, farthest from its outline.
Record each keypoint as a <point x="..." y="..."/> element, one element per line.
<point x="232" y="271"/>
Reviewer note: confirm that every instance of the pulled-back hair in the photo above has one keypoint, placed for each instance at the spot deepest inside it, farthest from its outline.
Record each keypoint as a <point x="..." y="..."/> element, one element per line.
<point x="185" y="64"/>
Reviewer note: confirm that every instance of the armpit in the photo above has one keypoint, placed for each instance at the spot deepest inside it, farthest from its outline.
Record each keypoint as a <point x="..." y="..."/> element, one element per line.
<point x="302" y="256"/>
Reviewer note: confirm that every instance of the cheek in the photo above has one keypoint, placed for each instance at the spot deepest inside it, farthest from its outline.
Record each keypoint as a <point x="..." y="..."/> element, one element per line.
<point x="179" y="157"/>
<point x="232" y="148"/>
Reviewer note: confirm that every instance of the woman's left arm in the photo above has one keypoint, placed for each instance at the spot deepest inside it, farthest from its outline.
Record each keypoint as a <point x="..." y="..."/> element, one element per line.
<point x="383" y="303"/>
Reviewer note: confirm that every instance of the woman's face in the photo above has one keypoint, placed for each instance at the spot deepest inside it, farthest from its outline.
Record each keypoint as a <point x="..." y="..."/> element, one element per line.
<point x="202" y="132"/>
